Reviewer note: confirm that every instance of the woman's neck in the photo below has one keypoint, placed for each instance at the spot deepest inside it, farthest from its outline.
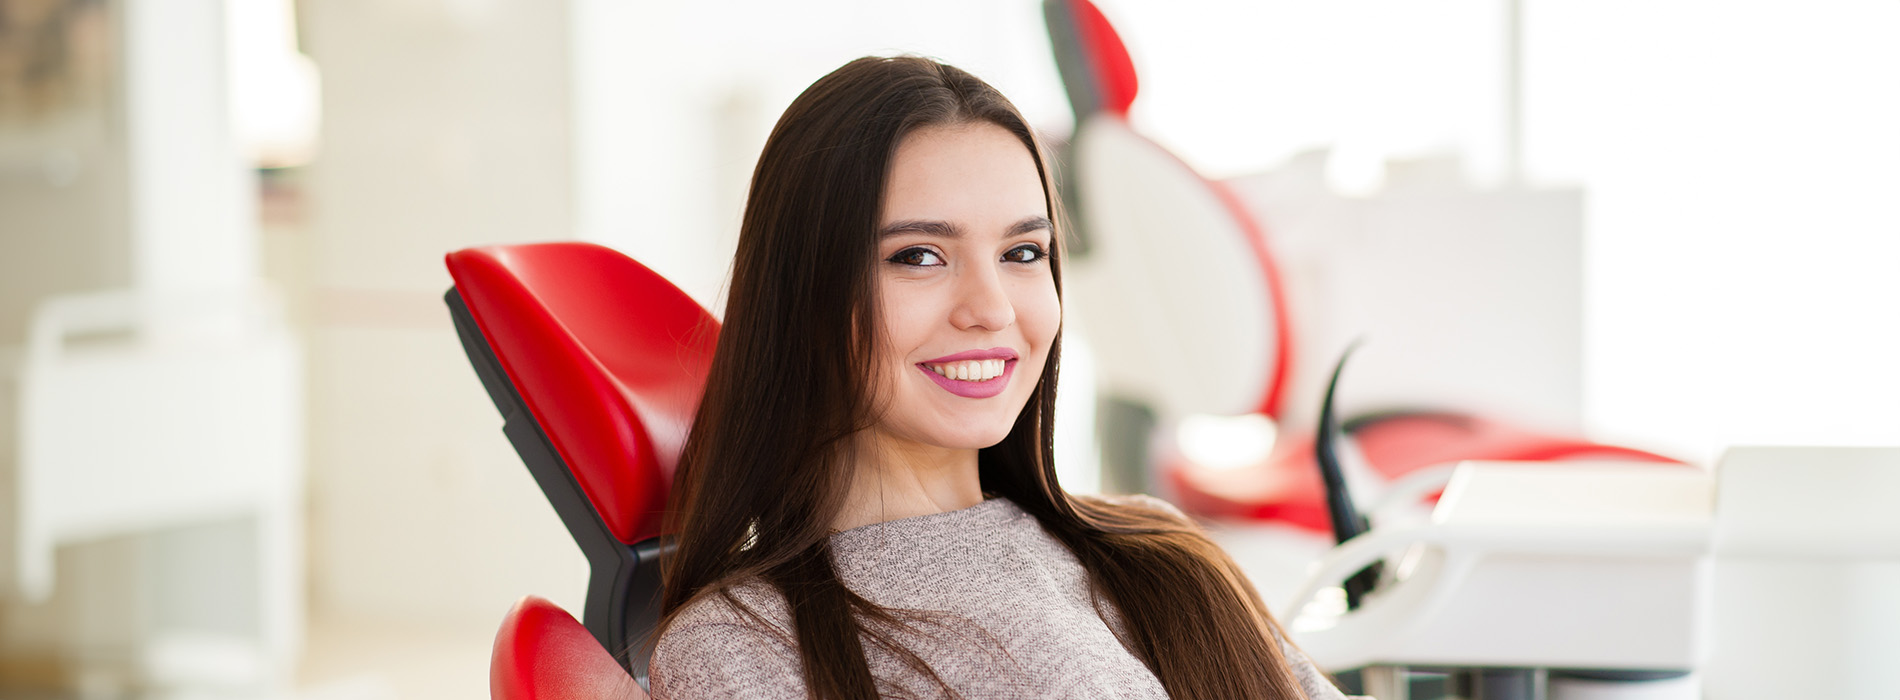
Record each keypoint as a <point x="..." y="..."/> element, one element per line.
<point x="896" y="479"/>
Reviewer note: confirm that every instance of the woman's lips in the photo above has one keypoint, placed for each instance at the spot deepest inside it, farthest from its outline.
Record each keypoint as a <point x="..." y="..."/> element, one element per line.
<point x="971" y="389"/>
<point x="990" y="354"/>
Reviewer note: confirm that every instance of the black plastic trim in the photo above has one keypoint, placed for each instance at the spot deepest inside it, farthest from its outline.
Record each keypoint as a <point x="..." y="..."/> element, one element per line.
<point x="623" y="586"/>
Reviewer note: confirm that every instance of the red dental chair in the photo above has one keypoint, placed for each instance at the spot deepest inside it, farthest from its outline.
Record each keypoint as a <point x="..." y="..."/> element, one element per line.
<point x="597" y="365"/>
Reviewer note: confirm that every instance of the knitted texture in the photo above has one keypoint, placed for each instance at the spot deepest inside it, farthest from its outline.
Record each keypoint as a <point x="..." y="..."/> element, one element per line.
<point x="1005" y="613"/>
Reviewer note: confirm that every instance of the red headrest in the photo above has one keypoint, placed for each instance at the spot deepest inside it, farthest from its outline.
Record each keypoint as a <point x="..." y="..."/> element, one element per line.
<point x="542" y="653"/>
<point x="610" y="358"/>
<point x="1104" y="60"/>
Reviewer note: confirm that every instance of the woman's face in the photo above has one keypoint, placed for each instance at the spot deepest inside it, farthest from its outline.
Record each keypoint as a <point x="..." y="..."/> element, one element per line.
<point x="966" y="292"/>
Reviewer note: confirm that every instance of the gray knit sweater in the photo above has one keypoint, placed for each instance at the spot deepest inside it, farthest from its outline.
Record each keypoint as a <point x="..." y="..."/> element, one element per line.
<point x="1019" y="620"/>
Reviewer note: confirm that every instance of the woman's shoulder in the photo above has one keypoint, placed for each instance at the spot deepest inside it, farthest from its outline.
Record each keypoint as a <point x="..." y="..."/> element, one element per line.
<point x="748" y="603"/>
<point x="731" y="643"/>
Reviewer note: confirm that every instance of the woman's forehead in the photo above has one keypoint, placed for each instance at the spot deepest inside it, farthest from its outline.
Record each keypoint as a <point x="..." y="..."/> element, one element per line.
<point x="977" y="175"/>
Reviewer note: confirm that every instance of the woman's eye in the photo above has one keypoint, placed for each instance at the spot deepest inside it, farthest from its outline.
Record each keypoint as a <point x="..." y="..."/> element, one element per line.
<point x="1025" y="253"/>
<point x="917" y="257"/>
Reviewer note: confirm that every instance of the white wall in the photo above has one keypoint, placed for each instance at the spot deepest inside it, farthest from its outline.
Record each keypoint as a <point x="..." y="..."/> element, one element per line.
<point x="445" y="126"/>
<point x="1235" y="86"/>
<point x="1742" y="240"/>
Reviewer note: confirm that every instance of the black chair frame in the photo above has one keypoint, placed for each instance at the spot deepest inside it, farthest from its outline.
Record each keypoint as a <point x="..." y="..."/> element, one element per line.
<point x="623" y="587"/>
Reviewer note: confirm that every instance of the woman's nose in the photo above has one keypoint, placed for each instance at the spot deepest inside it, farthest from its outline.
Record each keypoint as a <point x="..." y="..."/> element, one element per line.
<point x="982" y="301"/>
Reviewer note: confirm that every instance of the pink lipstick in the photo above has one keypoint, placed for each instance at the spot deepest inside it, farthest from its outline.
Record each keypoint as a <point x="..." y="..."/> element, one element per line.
<point x="973" y="389"/>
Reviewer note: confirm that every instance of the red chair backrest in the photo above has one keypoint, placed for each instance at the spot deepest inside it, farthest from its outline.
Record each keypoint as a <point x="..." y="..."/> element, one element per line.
<point x="615" y="397"/>
<point x="542" y="653"/>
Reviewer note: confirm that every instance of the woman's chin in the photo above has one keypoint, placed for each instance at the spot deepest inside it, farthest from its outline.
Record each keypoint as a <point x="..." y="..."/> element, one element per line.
<point x="973" y="439"/>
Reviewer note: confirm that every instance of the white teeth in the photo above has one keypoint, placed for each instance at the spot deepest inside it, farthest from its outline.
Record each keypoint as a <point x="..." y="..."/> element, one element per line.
<point x="970" y="370"/>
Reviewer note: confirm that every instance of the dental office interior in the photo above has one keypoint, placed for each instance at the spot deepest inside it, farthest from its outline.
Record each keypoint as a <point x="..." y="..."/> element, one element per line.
<point x="1582" y="314"/>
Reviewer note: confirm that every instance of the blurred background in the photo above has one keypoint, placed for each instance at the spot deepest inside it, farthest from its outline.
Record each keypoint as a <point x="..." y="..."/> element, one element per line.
<point x="243" y="455"/>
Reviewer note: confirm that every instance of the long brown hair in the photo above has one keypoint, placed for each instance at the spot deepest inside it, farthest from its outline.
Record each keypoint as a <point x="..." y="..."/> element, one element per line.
<point x="767" y="464"/>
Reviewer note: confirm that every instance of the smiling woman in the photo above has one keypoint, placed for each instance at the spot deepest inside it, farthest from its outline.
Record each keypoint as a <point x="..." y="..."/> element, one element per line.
<point x="867" y="504"/>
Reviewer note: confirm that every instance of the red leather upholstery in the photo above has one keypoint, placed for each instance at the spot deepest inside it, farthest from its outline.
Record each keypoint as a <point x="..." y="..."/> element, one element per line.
<point x="615" y="398"/>
<point x="543" y="653"/>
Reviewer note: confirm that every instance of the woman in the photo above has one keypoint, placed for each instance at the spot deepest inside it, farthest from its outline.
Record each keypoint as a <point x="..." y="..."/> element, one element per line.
<point x="867" y="505"/>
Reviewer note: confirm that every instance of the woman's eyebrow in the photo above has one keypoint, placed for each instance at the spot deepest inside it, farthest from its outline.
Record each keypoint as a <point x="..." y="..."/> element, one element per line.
<point x="946" y="229"/>
<point x="929" y="228"/>
<point x="1030" y="225"/>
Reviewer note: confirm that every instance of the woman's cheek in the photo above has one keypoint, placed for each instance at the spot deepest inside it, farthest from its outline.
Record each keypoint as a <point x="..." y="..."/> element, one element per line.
<point x="1045" y="316"/>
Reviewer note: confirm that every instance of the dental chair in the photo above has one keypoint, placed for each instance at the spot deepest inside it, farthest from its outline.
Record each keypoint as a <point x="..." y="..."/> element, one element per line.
<point x="596" y="364"/>
<point x="1174" y="281"/>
